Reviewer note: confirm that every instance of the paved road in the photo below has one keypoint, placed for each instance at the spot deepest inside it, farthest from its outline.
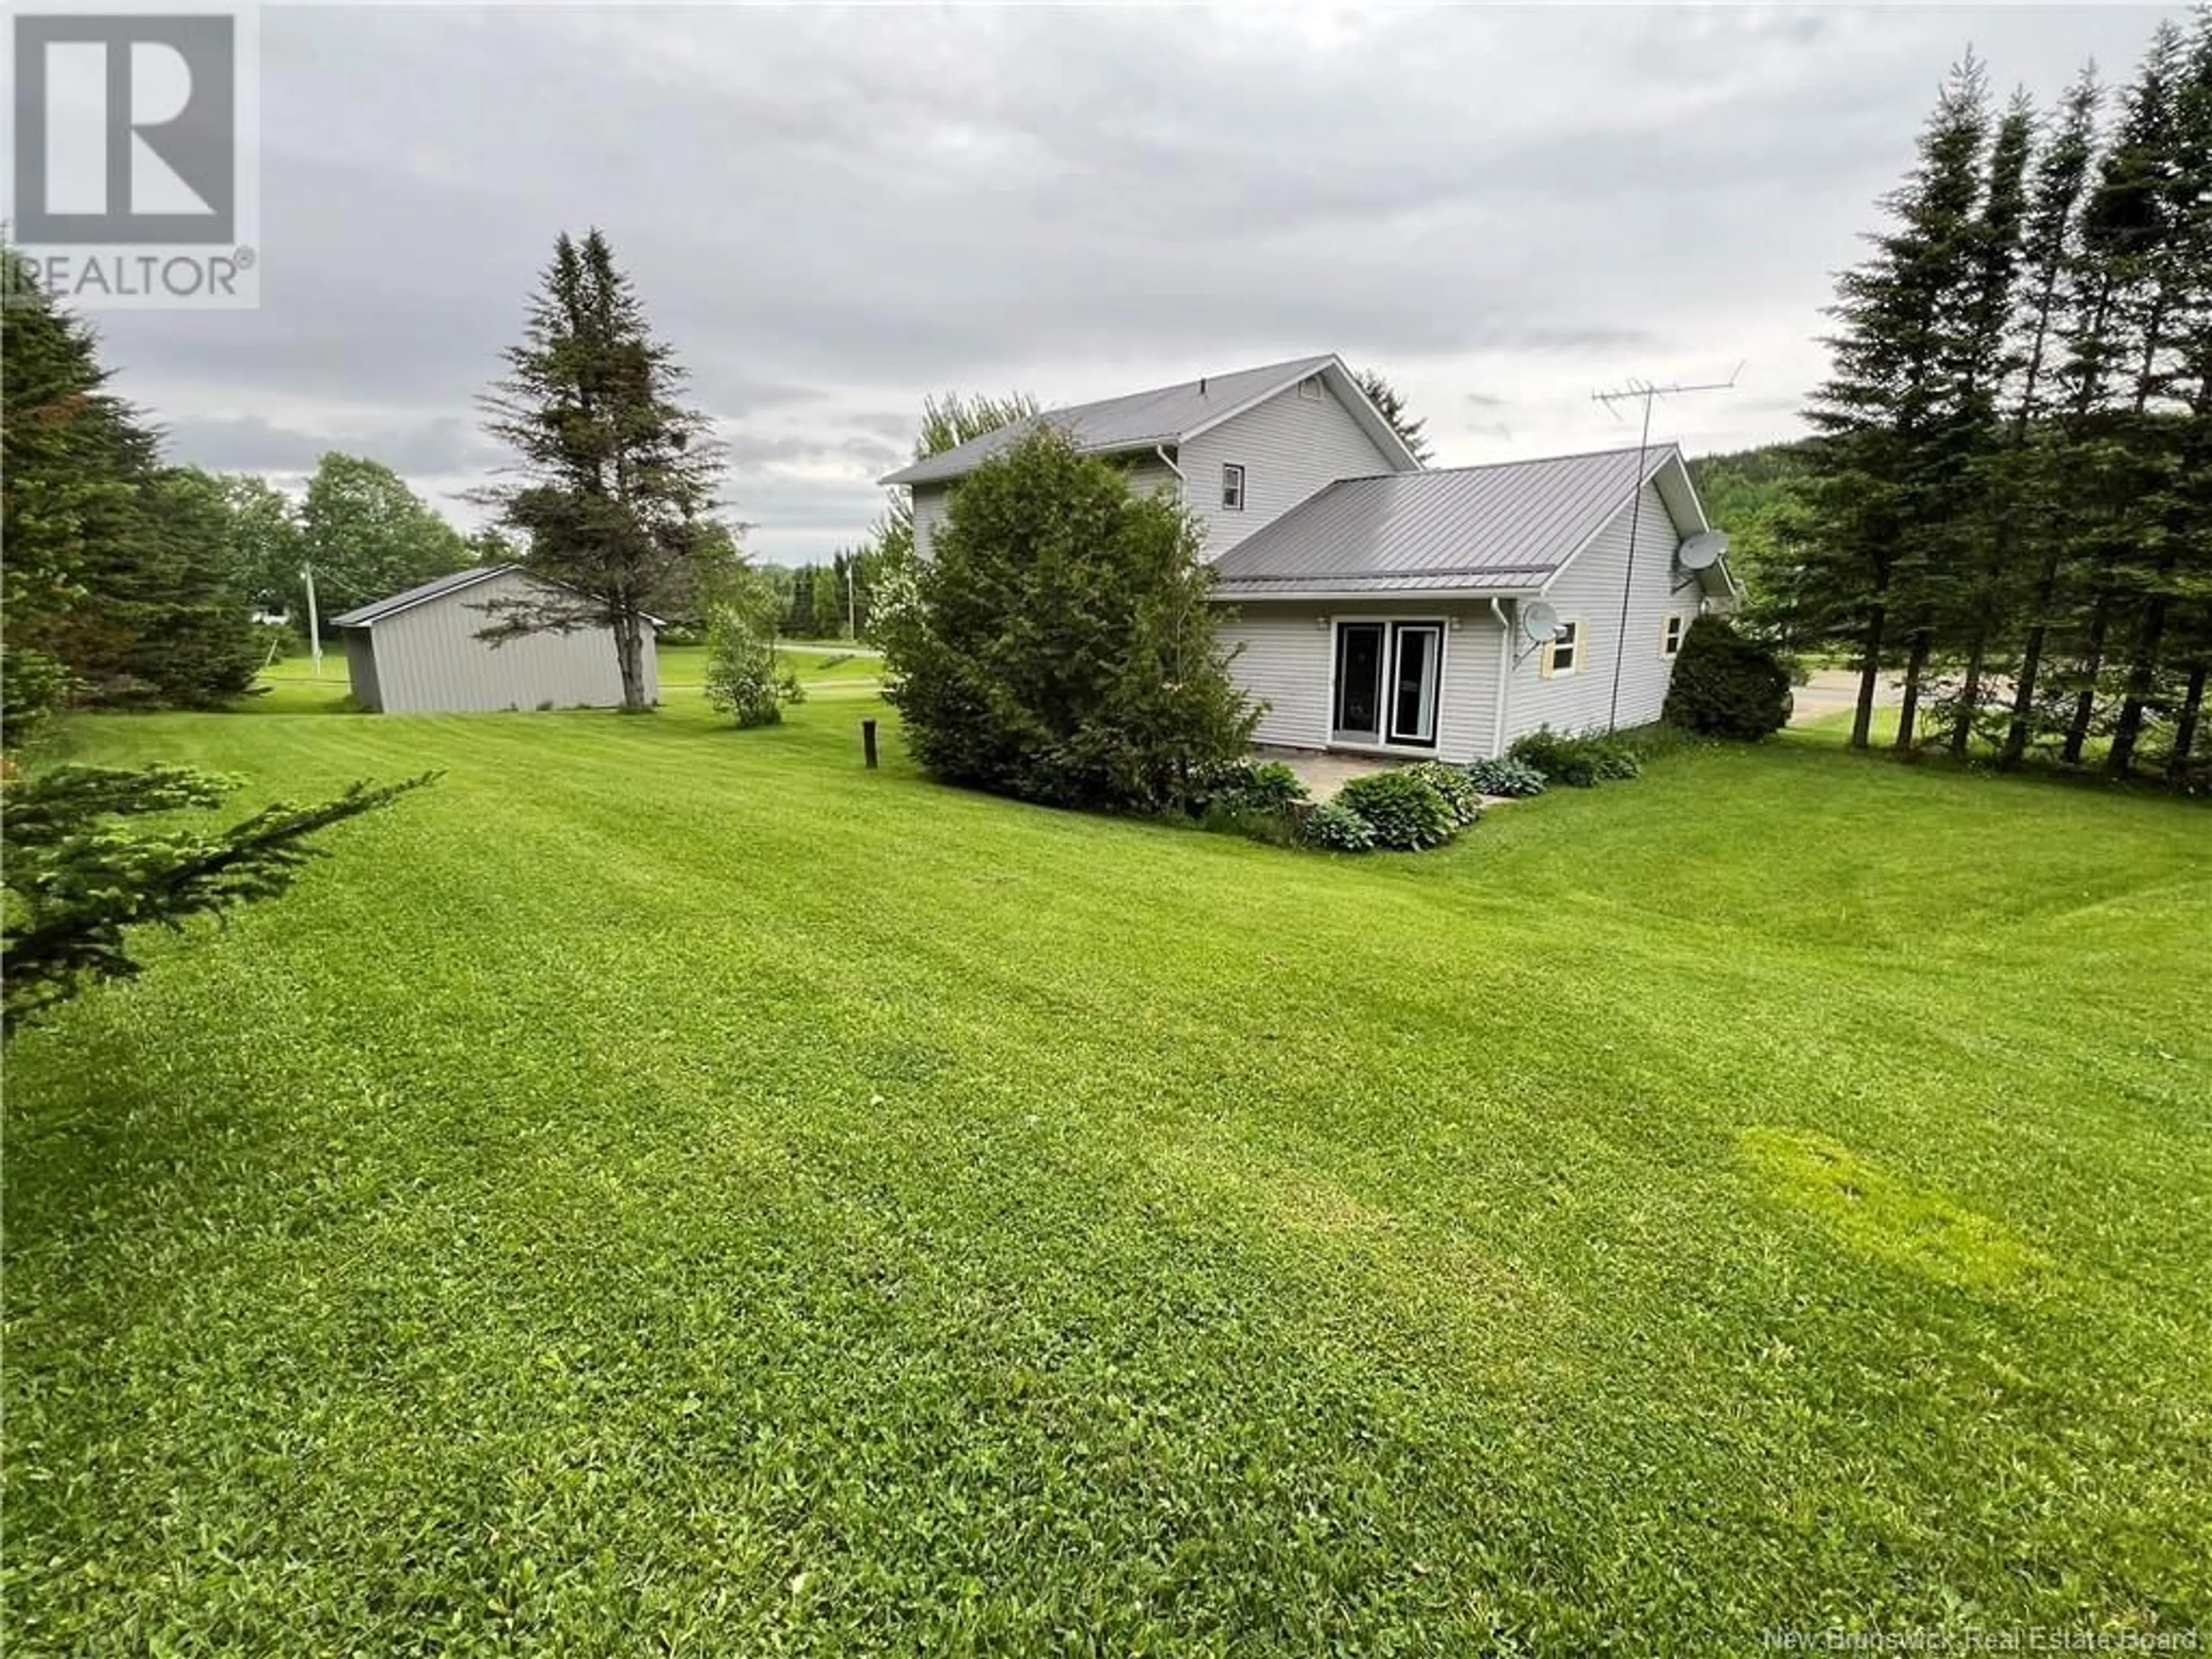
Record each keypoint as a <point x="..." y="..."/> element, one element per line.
<point x="1835" y="692"/>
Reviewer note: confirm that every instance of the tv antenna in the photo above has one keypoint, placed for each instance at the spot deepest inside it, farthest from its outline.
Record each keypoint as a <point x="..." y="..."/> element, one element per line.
<point x="1635" y="389"/>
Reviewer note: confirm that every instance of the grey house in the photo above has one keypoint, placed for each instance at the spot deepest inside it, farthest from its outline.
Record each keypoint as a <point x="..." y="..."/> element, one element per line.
<point x="417" y="652"/>
<point x="1385" y="608"/>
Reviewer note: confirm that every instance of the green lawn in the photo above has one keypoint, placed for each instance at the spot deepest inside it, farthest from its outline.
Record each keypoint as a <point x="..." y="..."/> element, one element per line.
<point x="837" y="672"/>
<point x="668" y="1189"/>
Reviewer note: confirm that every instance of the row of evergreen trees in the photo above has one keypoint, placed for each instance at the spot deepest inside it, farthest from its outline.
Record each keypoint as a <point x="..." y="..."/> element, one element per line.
<point x="828" y="601"/>
<point x="132" y="582"/>
<point x="2009" y="498"/>
<point x="117" y="583"/>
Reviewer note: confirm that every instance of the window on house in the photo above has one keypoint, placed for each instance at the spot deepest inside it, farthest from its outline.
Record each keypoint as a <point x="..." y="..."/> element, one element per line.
<point x="1673" y="641"/>
<point x="1232" y="487"/>
<point x="1564" y="654"/>
<point x="1310" y="388"/>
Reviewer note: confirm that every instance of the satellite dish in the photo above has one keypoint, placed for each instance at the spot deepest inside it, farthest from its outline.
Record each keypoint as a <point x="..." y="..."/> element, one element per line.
<point x="1540" y="621"/>
<point x="1703" y="552"/>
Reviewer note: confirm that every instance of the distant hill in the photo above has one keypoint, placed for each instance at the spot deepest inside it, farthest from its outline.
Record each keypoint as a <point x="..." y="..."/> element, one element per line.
<point x="1743" y="491"/>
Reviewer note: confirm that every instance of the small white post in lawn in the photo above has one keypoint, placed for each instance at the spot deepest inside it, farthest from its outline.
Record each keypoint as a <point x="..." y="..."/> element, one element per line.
<point x="314" y="624"/>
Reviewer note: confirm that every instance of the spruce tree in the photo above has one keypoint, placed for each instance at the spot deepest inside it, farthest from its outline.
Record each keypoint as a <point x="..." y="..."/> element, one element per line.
<point x="615" y="473"/>
<point x="1881" y="479"/>
<point x="119" y="581"/>
<point x="62" y="482"/>
<point x="2129" y="231"/>
<point x="2027" y="475"/>
<point x="1979" y="579"/>
<point x="2168" y="569"/>
<point x="1386" y="398"/>
<point x="2189" y="648"/>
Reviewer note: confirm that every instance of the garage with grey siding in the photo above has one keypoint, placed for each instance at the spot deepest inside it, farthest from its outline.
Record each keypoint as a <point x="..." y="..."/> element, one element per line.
<point x="419" y="652"/>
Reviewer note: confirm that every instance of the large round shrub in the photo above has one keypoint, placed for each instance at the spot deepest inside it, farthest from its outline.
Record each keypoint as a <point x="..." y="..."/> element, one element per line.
<point x="1402" y="808"/>
<point x="1058" y="645"/>
<point x="1727" y="686"/>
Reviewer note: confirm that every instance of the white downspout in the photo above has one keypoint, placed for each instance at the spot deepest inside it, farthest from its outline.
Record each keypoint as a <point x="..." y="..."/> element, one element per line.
<point x="1182" y="484"/>
<point x="1504" y="680"/>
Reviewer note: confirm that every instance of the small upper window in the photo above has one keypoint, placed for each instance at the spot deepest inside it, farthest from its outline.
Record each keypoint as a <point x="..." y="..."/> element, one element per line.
<point x="1310" y="388"/>
<point x="1673" y="641"/>
<point x="1232" y="487"/>
<point x="1564" y="652"/>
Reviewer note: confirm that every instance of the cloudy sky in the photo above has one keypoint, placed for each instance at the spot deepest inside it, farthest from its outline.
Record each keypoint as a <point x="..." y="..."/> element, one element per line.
<point x="831" y="212"/>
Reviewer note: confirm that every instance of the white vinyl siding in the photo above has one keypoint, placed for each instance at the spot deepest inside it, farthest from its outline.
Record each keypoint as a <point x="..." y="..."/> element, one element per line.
<point x="1288" y="661"/>
<point x="1290" y="446"/>
<point x="932" y="501"/>
<point x="428" y="660"/>
<point x="1150" y="472"/>
<point x="929" y="504"/>
<point x="1588" y="593"/>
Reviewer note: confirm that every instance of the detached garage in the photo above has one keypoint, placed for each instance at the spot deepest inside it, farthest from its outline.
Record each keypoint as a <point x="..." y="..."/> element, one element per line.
<point x="418" y="653"/>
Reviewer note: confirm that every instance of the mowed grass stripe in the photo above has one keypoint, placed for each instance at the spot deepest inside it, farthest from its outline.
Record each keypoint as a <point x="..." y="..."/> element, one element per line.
<point x="669" y="1184"/>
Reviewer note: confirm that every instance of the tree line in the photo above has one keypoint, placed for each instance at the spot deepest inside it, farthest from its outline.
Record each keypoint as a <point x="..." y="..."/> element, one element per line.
<point x="133" y="581"/>
<point x="2006" y="503"/>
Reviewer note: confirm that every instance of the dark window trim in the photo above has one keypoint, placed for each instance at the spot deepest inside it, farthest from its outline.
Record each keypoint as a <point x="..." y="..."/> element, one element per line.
<point x="1394" y="670"/>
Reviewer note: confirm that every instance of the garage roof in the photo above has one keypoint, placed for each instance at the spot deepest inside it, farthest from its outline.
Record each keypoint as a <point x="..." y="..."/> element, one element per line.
<point x="377" y="610"/>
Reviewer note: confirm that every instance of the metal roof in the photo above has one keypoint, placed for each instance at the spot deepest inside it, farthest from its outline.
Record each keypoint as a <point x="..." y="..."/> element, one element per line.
<point x="1141" y="420"/>
<point x="376" y="609"/>
<point x="1506" y="527"/>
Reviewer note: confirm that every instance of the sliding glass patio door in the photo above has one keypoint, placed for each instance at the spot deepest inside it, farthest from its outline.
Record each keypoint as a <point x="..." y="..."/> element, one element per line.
<point x="1389" y="681"/>
<point x="1359" y="658"/>
<point x="1417" y="674"/>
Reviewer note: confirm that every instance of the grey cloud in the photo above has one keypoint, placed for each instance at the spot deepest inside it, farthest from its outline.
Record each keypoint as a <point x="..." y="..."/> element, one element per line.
<point x="830" y="212"/>
<point x="438" y="446"/>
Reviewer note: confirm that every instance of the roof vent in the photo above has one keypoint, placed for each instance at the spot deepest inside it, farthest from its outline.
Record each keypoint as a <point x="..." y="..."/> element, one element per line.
<point x="1201" y="386"/>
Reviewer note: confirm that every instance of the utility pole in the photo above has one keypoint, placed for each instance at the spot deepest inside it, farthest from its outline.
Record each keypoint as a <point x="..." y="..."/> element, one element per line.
<point x="314" y="624"/>
<point x="1630" y="390"/>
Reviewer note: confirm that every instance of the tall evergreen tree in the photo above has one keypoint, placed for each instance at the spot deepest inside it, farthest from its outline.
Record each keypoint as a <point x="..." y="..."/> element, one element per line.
<point x="2189" y="647"/>
<point x="2028" y="504"/>
<point x="118" y="578"/>
<point x="2168" y="568"/>
<point x="1387" y="398"/>
<point x="63" y="483"/>
<point x="799" y="620"/>
<point x="1882" y="478"/>
<point x="1979" y="577"/>
<point x="615" y="473"/>
<point x="2129" y="231"/>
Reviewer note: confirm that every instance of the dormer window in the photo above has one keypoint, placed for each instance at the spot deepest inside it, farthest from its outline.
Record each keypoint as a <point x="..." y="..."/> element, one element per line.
<point x="1232" y="487"/>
